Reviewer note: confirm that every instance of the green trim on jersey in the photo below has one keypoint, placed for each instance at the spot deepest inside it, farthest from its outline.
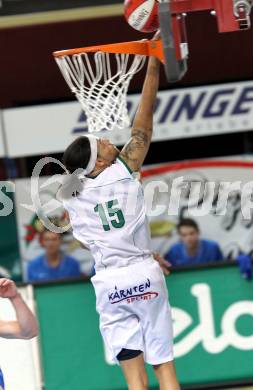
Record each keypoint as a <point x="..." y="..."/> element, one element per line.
<point x="112" y="211"/>
<point x="127" y="167"/>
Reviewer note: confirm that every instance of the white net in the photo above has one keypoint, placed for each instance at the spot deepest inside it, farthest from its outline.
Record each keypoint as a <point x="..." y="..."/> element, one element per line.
<point x="101" y="85"/>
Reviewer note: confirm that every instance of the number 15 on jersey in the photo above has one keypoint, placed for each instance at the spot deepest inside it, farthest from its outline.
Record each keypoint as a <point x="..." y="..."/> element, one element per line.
<point x="110" y="215"/>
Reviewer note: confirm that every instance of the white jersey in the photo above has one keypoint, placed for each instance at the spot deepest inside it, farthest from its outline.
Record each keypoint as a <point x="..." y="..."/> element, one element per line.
<point x="108" y="216"/>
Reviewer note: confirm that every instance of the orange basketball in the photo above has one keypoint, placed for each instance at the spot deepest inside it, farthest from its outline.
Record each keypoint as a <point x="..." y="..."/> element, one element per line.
<point x="142" y="15"/>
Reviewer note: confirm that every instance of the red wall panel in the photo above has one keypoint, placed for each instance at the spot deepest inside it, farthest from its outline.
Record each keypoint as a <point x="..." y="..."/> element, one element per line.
<point x="28" y="73"/>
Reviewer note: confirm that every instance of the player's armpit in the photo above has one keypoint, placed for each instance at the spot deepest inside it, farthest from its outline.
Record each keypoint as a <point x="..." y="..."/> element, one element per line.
<point x="135" y="151"/>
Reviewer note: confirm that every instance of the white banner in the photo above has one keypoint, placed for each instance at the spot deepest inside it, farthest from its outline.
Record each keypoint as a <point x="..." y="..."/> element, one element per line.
<point x="19" y="360"/>
<point x="216" y="193"/>
<point x="2" y="151"/>
<point x="182" y="113"/>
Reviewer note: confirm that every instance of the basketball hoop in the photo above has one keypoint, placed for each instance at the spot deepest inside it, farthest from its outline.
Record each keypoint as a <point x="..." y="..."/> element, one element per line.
<point x="99" y="76"/>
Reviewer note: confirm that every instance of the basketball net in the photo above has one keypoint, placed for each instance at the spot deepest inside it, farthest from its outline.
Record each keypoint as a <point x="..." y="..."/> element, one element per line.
<point x="102" y="94"/>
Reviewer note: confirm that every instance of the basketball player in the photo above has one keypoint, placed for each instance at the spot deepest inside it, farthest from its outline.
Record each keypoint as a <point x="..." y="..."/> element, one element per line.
<point x="107" y="215"/>
<point x="25" y="326"/>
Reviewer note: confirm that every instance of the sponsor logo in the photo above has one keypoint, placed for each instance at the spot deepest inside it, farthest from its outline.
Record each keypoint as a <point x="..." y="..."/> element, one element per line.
<point x="205" y="332"/>
<point x="131" y="294"/>
<point x="214" y="342"/>
<point x="196" y="110"/>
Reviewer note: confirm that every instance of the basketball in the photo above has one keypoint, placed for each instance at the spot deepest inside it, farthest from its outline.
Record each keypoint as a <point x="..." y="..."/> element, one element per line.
<point x="142" y="15"/>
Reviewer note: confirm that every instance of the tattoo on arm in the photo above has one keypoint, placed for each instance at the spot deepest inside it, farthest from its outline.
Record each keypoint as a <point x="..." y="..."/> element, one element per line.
<point x="136" y="149"/>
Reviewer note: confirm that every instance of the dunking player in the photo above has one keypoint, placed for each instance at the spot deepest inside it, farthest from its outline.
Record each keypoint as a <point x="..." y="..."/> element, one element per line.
<point x="25" y="326"/>
<point x="132" y="299"/>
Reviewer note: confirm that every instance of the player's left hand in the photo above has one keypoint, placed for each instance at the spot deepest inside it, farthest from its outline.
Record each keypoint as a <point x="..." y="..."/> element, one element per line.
<point x="164" y="264"/>
<point x="8" y="288"/>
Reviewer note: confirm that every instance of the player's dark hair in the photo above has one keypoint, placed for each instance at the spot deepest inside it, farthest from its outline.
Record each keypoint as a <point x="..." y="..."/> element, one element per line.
<point x="77" y="154"/>
<point x="187" y="222"/>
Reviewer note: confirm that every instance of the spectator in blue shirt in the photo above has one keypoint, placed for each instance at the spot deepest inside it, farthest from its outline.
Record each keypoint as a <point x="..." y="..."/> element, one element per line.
<point x="191" y="249"/>
<point x="53" y="264"/>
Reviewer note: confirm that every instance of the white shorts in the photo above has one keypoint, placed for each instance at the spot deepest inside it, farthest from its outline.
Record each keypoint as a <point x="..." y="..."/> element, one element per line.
<point x="134" y="311"/>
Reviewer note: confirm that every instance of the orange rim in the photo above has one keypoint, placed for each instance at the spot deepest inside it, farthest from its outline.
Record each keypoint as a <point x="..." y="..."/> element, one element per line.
<point x="146" y="48"/>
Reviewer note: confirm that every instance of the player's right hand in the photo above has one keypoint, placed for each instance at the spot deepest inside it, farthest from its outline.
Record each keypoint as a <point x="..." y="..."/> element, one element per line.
<point x="164" y="264"/>
<point x="8" y="288"/>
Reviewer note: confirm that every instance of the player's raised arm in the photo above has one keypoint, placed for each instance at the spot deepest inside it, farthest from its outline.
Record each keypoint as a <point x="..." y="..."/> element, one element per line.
<point x="135" y="151"/>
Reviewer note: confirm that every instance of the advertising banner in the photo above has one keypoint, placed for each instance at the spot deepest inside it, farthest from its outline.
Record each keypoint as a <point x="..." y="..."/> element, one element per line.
<point x="10" y="264"/>
<point x="178" y="113"/>
<point x="215" y="193"/>
<point x="213" y="317"/>
<point x="212" y="313"/>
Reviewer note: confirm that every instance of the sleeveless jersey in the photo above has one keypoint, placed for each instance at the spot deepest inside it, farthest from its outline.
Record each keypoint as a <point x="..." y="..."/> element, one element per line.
<point x="108" y="217"/>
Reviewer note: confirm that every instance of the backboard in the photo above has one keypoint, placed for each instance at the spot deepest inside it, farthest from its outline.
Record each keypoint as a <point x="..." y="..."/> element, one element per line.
<point x="232" y="15"/>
